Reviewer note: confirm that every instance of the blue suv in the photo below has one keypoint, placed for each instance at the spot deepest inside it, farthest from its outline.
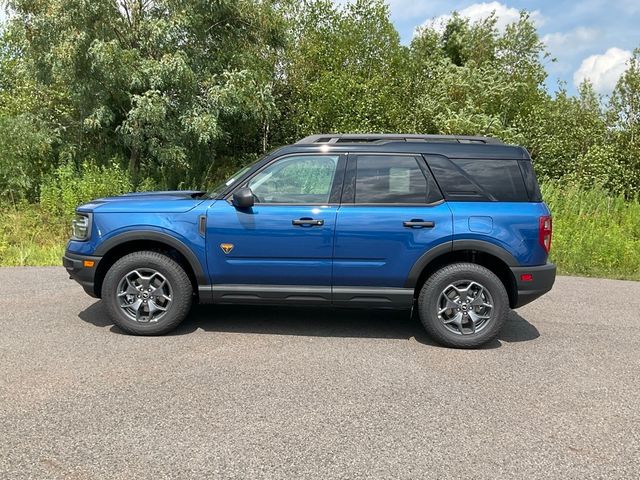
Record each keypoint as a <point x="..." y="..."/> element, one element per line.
<point x="452" y="225"/>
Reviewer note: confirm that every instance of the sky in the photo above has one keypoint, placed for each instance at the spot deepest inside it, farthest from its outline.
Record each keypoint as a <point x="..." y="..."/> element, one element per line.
<point x="588" y="38"/>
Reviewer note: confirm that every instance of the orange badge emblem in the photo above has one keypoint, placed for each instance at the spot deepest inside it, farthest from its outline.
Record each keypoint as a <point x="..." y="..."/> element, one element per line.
<point x="226" y="247"/>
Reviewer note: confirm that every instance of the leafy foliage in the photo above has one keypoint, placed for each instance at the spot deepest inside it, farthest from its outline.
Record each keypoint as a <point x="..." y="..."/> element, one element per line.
<point x="159" y="84"/>
<point x="25" y="150"/>
<point x="179" y="91"/>
<point x="342" y="70"/>
<point x="67" y="187"/>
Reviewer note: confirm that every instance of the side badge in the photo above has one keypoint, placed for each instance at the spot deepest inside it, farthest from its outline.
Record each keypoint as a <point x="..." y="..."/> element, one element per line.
<point x="226" y="247"/>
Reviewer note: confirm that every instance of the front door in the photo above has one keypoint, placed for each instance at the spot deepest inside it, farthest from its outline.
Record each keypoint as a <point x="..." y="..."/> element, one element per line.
<point x="392" y="213"/>
<point x="281" y="249"/>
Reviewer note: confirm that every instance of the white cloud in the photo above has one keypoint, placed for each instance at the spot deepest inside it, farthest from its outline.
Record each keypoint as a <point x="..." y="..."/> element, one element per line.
<point x="603" y="70"/>
<point x="478" y="11"/>
<point x="579" y="38"/>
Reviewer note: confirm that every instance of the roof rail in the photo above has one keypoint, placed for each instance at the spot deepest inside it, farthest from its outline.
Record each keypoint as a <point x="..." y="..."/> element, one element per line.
<point x="333" y="138"/>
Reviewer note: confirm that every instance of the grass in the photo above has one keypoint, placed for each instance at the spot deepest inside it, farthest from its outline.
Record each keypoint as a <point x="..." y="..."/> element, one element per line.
<point x="593" y="234"/>
<point x="29" y="236"/>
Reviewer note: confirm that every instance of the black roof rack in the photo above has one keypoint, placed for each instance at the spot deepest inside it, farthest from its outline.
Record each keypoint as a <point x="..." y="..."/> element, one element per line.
<point x="331" y="138"/>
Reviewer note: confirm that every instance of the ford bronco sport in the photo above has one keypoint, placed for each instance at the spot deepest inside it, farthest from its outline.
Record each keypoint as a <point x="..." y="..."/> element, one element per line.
<point x="452" y="225"/>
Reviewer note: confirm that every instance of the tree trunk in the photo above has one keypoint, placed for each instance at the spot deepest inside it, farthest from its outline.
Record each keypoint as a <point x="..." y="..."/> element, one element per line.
<point x="265" y="135"/>
<point x="134" y="165"/>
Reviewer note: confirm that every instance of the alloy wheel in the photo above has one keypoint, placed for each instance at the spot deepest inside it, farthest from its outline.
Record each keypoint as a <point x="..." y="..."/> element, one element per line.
<point x="465" y="307"/>
<point x="144" y="295"/>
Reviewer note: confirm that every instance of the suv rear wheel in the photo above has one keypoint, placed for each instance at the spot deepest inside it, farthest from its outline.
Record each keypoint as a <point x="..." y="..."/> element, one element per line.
<point x="147" y="293"/>
<point x="463" y="305"/>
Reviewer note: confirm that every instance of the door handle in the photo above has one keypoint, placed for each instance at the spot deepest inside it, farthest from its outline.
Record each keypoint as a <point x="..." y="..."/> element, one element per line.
<point x="310" y="222"/>
<point x="418" y="223"/>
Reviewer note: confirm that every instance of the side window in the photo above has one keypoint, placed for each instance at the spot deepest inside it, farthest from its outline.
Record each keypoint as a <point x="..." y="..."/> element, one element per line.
<point x="393" y="179"/>
<point x="465" y="179"/>
<point x="500" y="178"/>
<point x="530" y="181"/>
<point x="453" y="181"/>
<point x="301" y="179"/>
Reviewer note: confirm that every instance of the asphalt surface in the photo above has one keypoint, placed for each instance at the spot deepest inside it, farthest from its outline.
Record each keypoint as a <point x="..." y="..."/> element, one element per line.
<point x="242" y="393"/>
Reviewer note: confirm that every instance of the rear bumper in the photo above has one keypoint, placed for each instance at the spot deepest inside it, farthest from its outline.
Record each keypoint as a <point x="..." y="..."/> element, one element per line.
<point x="542" y="279"/>
<point x="85" y="276"/>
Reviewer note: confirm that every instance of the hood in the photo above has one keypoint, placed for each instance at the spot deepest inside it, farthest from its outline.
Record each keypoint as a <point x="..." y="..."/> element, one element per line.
<point x="170" y="201"/>
<point x="162" y="195"/>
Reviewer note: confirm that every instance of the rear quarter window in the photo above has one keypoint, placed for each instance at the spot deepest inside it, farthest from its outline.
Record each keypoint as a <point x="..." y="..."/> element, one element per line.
<point x="530" y="180"/>
<point x="463" y="179"/>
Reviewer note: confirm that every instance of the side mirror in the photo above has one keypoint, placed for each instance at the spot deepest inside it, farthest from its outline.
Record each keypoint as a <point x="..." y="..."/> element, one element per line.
<point x="243" y="198"/>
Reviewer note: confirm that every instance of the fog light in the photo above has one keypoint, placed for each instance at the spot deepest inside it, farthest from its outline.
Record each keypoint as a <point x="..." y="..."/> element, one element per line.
<point x="526" y="277"/>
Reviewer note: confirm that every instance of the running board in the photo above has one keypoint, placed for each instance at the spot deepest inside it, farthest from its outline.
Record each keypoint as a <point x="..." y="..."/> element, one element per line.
<point x="311" y="295"/>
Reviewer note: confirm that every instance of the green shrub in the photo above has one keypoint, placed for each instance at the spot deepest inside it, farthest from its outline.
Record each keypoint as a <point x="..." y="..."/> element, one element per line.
<point x="67" y="187"/>
<point x="36" y="233"/>
<point x="25" y="150"/>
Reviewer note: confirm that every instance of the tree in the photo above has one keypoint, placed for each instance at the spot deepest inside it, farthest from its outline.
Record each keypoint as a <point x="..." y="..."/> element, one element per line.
<point x="343" y="70"/>
<point x="624" y="107"/>
<point x="560" y="131"/>
<point x="472" y="79"/>
<point x="163" y="84"/>
<point x="623" y="118"/>
<point x="183" y="91"/>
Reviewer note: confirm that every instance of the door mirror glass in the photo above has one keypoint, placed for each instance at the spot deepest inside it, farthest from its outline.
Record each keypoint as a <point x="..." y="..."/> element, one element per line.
<point x="243" y="198"/>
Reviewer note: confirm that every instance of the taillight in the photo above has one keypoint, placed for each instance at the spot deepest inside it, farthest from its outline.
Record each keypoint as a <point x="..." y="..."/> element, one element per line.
<point x="544" y="232"/>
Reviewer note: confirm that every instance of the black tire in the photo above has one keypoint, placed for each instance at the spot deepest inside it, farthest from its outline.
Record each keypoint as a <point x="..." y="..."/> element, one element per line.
<point x="178" y="280"/>
<point x="428" y="305"/>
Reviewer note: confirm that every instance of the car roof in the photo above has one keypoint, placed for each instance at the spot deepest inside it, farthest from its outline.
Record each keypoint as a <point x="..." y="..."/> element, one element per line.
<point x="452" y="146"/>
<point x="402" y="137"/>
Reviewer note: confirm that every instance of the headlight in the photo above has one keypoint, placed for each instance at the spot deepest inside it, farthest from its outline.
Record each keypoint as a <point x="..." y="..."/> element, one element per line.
<point x="81" y="226"/>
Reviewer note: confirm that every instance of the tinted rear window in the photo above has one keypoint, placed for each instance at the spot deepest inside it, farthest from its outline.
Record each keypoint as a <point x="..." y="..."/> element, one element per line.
<point x="530" y="180"/>
<point x="479" y="179"/>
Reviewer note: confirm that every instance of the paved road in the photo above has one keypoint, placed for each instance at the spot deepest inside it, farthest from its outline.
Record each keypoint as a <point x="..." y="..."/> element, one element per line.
<point x="244" y="392"/>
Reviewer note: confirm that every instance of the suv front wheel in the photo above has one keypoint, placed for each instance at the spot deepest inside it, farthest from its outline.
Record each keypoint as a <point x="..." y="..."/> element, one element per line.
<point x="147" y="293"/>
<point x="463" y="305"/>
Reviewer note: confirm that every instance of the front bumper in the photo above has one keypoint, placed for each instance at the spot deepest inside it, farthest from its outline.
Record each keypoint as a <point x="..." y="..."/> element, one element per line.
<point x="542" y="279"/>
<point x="84" y="275"/>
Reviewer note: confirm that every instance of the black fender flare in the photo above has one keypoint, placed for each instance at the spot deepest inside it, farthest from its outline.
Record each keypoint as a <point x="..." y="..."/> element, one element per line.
<point x="453" y="246"/>
<point x="165" y="238"/>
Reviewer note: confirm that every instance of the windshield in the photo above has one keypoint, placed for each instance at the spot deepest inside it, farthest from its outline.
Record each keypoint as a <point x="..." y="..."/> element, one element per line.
<point x="218" y="189"/>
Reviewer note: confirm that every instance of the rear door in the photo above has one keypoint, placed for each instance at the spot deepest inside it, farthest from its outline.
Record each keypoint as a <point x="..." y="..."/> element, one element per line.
<point x="392" y="212"/>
